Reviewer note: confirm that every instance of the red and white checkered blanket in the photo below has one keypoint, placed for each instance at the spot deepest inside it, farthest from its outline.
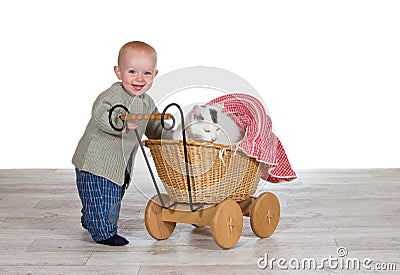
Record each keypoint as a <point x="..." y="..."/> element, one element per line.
<point x="260" y="141"/>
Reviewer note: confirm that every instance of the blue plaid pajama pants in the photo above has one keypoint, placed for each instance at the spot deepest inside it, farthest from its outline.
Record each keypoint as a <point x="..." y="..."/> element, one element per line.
<point x="101" y="204"/>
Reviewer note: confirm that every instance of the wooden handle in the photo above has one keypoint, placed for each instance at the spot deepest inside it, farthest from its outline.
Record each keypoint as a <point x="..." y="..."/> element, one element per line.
<point x="144" y="116"/>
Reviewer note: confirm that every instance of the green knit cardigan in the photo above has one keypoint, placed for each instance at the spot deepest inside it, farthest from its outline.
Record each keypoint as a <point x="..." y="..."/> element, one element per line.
<point x="104" y="151"/>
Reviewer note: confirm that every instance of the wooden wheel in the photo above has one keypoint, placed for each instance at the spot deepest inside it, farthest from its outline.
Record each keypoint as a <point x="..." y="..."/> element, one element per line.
<point x="227" y="224"/>
<point x="156" y="227"/>
<point x="264" y="216"/>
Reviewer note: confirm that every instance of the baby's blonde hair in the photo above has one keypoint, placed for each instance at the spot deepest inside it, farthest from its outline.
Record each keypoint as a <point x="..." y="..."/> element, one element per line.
<point x="136" y="45"/>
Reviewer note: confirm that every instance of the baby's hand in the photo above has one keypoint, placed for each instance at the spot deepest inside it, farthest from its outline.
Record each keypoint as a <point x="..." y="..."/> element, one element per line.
<point x="131" y="124"/>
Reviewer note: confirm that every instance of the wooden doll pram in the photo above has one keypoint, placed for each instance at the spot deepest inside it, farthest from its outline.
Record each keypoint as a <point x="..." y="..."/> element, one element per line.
<point x="207" y="185"/>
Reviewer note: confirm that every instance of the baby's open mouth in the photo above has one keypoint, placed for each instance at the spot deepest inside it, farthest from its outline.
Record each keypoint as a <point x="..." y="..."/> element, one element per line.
<point x="137" y="87"/>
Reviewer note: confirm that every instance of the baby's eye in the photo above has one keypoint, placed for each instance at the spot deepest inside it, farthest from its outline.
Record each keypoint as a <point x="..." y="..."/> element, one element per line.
<point x="132" y="71"/>
<point x="147" y="73"/>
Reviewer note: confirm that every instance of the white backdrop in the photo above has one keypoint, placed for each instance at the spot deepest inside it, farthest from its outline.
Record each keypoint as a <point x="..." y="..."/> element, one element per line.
<point x="328" y="71"/>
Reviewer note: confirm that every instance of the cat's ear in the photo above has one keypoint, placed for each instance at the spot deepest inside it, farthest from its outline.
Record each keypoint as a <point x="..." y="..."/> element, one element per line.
<point x="218" y="107"/>
<point x="196" y="113"/>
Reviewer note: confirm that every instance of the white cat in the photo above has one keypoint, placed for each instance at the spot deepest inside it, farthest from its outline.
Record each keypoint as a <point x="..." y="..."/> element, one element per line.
<point x="209" y="123"/>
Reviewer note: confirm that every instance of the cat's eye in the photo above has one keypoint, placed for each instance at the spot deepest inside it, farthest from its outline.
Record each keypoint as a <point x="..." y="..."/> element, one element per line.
<point x="207" y="130"/>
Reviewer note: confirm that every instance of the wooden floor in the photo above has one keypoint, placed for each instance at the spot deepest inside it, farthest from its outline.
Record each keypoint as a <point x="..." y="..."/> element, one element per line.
<point x="323" y="210"/>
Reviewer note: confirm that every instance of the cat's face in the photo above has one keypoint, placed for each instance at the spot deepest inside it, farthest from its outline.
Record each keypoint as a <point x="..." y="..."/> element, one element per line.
<point x="202" y="125"/>
<point x="203" y="131"/>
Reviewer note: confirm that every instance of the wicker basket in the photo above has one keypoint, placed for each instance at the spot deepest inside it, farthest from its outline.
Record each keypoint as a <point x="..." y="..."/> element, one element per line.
<point x="216" y="171"/>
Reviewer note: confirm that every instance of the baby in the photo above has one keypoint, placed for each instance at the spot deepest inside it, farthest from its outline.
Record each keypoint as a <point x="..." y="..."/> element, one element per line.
<point x="101" y="171"/>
